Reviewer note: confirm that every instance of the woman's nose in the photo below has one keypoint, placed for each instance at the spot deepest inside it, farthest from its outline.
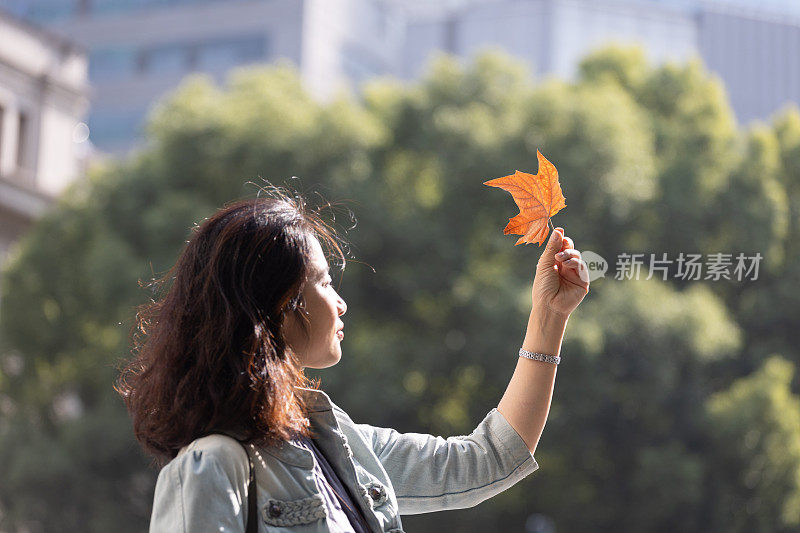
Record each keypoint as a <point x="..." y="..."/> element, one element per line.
<point x="342" y="306"/>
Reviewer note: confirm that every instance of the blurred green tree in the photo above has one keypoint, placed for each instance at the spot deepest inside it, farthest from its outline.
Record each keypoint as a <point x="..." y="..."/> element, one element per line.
<point x="438" y="298"/>
<point x="629" y="397"/>
<point x="770" y="307"/>
<point x="754" y="481"/>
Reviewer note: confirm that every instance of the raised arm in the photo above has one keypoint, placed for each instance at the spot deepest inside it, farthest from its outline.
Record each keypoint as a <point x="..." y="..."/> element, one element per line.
<point x="431" y="473"/>
<point x="559" y="286"/>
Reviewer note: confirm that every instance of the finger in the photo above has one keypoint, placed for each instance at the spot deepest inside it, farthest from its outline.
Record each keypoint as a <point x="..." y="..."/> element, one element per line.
<point x="557" y="238"/>
<point x="567" y="243"/>
<point x="547" y="260"/>
<point x="570" y="253"/>
<point x="577" y="268"/>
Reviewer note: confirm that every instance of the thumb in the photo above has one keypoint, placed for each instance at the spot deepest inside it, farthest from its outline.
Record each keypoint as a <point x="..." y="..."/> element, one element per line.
<point x="548" y="258"/>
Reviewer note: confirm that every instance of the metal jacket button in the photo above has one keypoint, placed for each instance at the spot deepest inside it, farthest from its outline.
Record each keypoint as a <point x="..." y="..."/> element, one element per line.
<point x="375" y="493"/>
<point x="275" y="510"/>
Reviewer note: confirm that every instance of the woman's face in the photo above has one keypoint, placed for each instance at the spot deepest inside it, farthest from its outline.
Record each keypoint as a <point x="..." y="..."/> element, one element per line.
<point x="323" y="307"/>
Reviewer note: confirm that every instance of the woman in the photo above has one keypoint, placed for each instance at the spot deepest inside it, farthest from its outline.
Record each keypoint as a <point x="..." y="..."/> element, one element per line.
<point x="217" y="389"/>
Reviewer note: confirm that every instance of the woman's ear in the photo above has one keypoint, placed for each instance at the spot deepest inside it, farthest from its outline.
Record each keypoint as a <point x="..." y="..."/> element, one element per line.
<point x="294" y="326"/>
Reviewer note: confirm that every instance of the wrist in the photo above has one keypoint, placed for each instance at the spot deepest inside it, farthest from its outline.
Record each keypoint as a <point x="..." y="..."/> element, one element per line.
<point x="545" y="316"/>
<point x="545" y="332"/>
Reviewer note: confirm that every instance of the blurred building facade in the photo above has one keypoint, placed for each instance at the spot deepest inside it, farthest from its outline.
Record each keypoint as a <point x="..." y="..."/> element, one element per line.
<point x="753" y="47"/>
<point x="44" y="96"/>
<point x="552" y="36"/>
<point x="757" y="55"/>
<point x="140" y="49"/>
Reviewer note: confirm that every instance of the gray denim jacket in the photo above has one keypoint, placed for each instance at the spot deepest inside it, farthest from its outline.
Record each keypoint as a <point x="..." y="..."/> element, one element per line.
<point x="204" y="488"/>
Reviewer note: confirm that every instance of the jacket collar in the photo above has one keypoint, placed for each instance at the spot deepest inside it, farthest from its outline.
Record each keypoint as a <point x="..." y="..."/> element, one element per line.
<point x="316" y="403"/>
<point x="315" y="400"/>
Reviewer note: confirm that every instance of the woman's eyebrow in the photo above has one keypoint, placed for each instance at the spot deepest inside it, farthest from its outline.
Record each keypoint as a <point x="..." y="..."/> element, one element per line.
<point x="322" y="273"/>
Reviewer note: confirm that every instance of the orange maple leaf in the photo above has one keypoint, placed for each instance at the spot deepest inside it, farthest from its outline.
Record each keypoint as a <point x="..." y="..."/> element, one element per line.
<point x="538" y="197"/>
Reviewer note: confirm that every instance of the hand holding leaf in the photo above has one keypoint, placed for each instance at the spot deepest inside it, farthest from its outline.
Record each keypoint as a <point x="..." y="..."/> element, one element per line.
<point x="561" y="282"/>
<point x="538" y="197"/>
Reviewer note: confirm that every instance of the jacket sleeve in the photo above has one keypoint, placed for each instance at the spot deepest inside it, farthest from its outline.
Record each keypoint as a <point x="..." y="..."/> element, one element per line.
<point x="203" y="490"/>
<point x="431" y="473"/>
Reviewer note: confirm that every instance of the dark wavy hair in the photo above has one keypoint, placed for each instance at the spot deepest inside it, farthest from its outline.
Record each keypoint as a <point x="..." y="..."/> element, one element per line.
<point x="210" y="356"/>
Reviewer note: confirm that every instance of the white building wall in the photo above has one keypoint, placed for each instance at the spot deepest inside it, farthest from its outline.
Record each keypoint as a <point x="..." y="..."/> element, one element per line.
<point x="337" y="43"/>
<point x="758" y="57"/>
<point x="755" y="52"/>
<point x="520" y="28"/>
<point x="423" y="38"/>
<point x="43" y="79"/>
<point x="552" y="36"/>
<point x="346" y="42"/>
<point x="580" y="26"/>
<point x="140" y="55"/>
<point x="61" y="155"/>
<point x="43" y="82"/>
<point x="140" y="52"/>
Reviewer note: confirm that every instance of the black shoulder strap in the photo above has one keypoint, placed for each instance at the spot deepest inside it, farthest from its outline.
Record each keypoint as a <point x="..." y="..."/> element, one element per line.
<point x="251" y="526"/>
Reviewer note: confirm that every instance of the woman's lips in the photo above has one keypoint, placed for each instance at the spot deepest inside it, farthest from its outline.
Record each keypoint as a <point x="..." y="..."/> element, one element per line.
<point x="340" y="334"/>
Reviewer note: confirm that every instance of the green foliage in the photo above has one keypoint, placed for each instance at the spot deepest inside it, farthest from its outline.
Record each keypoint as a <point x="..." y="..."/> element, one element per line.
<point x="628" y="399"/>
<point x="755" y="476"/>
<point x="650" y="161"/>
<point x="756" y="193"/>
<point x="624" y="65"/>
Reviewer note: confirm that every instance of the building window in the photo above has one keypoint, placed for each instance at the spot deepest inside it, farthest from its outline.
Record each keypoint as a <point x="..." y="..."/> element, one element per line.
<point x="83" y="7"/>
<point x="109" y="127"/>
<point x="45" y="11"/>
<point x="22" y="140"/>
<point x="2" y="116"/>
<point x="120" y="6"/>
<point x="111" y="63"/>
<point x="164" y="59"/>
<point x="213" y="55"/>
<point x="221" y="54"/>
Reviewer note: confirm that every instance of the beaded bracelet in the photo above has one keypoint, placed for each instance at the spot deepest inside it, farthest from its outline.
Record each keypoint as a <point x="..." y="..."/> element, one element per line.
<point x="554" y="359"/>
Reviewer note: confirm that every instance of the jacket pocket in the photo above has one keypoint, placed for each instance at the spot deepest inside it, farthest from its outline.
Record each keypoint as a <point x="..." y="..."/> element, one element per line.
<point x="283" y="513"/>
